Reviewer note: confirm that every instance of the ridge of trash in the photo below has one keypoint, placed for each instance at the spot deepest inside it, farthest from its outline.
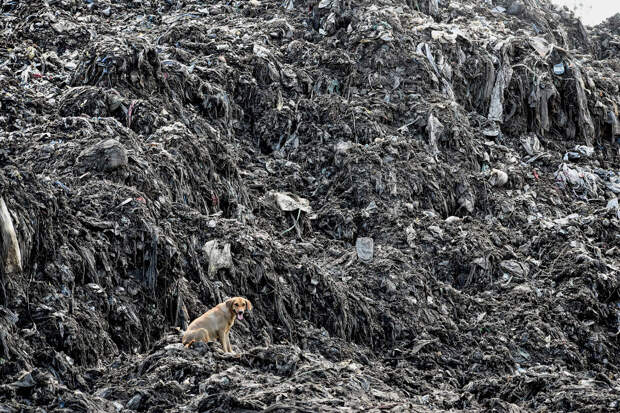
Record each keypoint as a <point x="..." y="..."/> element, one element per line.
<point x="419" y="197"/>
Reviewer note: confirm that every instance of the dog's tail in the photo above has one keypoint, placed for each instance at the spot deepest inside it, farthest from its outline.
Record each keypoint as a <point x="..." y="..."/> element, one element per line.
<point x="192" y="336"/>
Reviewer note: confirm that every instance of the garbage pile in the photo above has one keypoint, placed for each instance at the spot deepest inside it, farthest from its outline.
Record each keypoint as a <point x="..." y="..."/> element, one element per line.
<point x="420" y="199"/>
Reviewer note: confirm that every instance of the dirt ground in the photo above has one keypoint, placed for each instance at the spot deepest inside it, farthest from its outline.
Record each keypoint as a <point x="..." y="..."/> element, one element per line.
<point x="419" y="197"/>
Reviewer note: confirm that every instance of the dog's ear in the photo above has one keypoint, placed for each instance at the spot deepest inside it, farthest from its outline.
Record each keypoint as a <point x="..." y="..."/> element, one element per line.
<point x="229" y="303"/>
<point x="248" y="304"/>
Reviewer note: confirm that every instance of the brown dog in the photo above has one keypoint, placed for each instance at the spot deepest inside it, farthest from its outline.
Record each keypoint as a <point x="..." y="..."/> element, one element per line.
<point x="216" y="323"/>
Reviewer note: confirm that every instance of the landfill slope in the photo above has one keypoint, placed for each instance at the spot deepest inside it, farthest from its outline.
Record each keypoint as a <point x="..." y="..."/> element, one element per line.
<point x="419" y="198"/>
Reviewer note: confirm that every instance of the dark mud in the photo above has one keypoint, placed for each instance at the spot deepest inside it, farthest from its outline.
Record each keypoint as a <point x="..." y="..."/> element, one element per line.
<point x="419" y="198"/>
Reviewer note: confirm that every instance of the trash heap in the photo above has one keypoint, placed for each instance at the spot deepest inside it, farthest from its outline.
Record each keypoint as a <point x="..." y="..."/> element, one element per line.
<point x="420" y="198"/>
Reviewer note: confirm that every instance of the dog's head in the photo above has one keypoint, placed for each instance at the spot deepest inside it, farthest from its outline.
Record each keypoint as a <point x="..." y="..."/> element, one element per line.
<point x="238" y="305"/>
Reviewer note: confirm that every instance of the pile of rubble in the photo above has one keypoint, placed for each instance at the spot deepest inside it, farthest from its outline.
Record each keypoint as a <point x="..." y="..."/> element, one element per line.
<point x="420" y="198"/>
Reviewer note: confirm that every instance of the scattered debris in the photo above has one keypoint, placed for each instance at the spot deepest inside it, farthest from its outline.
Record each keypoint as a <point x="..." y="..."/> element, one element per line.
<point x="420" y="199"/>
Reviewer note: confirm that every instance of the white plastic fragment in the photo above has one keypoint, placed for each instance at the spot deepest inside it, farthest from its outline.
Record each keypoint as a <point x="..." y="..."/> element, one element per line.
<point x="291" y="202"/>
<point x="11" y="254"/>
<point x="498" y="177"/>
<point x="219" y="258"/>
<point x="365" y="248"/>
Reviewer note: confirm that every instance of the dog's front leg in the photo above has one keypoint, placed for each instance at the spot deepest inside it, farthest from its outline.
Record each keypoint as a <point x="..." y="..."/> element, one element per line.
<point x="228" y="346"/>
<point x="223" y="341"/>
